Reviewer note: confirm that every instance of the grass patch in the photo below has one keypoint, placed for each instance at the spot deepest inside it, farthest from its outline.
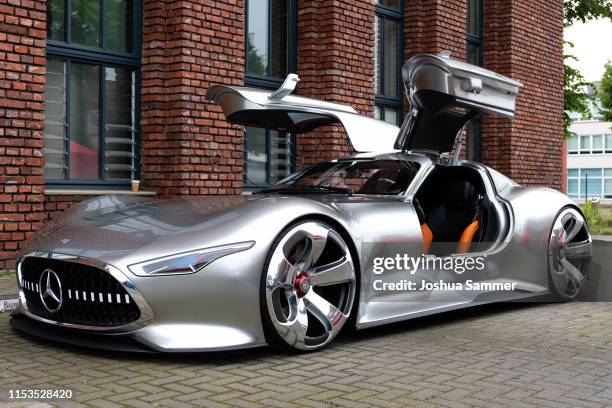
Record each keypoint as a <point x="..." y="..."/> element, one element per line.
<point x="599" y="218"/>
<point x="9" y="273"/>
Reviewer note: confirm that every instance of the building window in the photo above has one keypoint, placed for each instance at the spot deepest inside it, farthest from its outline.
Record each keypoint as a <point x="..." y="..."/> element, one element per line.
<point x="389" y="56"/>
<point x="474" y="32"/>
<point x="269" y="156"/>
<point x="607" y="183"/>
<point x="589" y="183"/>
<point x="474" y="56"/>
<point x="589" y="144"/>
<point x="572" y="183"/>
<point x="597" y="143"/>
<point x="270" y="41"/>
<point x="585" y="144"/>
<point x="572" y="145"/>
<point x="271" y="32"/>
<point x="91" y="95"/>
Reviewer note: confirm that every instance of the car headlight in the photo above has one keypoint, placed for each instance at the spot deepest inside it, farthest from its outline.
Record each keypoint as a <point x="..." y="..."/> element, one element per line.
<point x="187" y="262"/>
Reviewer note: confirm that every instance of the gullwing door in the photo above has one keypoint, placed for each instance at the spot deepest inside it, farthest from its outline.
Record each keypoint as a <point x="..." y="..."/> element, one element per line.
<point x="444" y="95"/>
<point x="279" y="110"/>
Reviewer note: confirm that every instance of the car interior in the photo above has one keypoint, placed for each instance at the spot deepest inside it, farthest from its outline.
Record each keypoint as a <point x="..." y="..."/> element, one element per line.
<point x="392" y="178"/>
<point x="455" y="213"/>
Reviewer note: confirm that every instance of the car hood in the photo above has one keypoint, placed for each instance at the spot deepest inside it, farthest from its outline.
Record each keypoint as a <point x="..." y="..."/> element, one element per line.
<point x="118" y="225"/>
<point x="122" y="230"/>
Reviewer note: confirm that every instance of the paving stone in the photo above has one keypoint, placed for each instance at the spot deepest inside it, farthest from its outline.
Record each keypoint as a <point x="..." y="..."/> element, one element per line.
<point x="497" y="356"/>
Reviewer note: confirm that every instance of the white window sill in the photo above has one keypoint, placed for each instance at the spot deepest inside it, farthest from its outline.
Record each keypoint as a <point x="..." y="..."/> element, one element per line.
<point x="97" y="192"/>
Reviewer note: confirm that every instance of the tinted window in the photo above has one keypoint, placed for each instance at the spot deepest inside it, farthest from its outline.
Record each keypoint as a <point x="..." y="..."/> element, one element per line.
<point x="360" y="176"/>
<point x="267" y="39"/>
<point x="388" y="53"/>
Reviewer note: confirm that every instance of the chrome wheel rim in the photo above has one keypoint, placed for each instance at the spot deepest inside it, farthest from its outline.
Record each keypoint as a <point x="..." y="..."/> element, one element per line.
<point x="310" y="286"/>
<point x="569" y="255"/>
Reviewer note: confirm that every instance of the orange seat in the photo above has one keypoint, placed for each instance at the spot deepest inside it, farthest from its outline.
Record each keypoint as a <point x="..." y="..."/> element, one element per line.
<point x="463" y="247"/>
<point x="427" y="238"/>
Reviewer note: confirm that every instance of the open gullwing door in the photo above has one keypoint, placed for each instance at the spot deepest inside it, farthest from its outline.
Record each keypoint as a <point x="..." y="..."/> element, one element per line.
<point x="444" y="95"/>
<point x="279" y="110"/>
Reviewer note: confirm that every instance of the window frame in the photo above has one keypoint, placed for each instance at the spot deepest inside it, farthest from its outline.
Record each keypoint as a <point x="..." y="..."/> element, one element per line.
<point x="381" y="101"/>
<point x="475" y="40"/>
<point x="271" y="83"/>
<point x="265" y="81"/>
<point x="70" y="52"/>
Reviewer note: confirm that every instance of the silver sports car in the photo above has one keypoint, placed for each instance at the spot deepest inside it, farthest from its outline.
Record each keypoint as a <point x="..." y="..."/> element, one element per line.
<point x="291" y="265"/>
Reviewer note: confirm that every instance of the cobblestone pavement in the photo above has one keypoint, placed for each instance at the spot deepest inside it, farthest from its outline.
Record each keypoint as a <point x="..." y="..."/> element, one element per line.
<point x="8" y="288"/>
<point x="510" y="355"/>
<point x="520" y="355"/>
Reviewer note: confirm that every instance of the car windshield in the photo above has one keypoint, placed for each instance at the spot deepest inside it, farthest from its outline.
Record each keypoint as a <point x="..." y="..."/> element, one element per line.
<point x="350" y="176"/>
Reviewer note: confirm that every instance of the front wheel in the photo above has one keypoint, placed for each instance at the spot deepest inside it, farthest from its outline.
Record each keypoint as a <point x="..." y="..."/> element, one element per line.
<point x="569" y="254"/>
<point x="308" y="286"/>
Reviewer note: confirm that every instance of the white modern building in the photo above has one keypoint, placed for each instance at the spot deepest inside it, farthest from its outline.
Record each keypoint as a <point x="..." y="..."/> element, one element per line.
<point x="589" y="161"/>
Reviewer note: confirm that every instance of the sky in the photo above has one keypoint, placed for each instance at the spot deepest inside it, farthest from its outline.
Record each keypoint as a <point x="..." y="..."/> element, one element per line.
<point x="592" y="46"/>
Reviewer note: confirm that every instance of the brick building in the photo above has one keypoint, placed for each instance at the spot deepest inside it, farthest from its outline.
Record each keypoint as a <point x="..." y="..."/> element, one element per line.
<point x="94" y="94"/>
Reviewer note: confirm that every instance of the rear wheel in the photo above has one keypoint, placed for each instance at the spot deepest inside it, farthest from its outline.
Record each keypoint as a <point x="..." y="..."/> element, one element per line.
<point x="308" y="286"/>
<point x="569" y="254"/>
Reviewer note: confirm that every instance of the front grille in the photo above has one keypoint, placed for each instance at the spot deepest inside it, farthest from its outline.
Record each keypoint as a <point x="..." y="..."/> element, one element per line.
<point x="90" y="296"/>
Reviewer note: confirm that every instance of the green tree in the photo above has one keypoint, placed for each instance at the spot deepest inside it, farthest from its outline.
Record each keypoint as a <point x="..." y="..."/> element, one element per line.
<point x="585" y="10"/>
<point x="576" y="99"/>
<point x="605" y="93"/>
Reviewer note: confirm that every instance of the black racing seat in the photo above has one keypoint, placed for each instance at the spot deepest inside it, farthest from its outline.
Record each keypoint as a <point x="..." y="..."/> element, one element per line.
<point x="452" y="199"/>
<point x="453" y="211"/>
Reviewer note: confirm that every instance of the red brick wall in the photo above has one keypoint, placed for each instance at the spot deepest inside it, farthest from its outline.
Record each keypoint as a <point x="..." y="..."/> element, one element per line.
<point x="22" y="89"/>
<point x="335" y="63"/>
<point x="186" y="145"/>
<point x="55" y="204"/>
<point x="524" y="40"/>
<point x="433" y="26"/>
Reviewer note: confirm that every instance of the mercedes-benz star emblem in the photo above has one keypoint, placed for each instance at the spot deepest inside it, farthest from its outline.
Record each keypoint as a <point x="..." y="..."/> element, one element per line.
<point x="50" y="290"/>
